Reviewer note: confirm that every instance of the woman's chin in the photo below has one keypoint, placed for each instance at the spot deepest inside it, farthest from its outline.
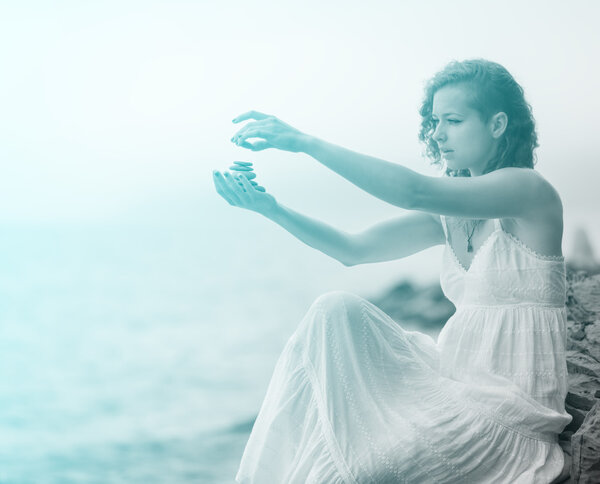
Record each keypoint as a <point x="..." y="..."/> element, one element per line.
<point x="454" y="166"/>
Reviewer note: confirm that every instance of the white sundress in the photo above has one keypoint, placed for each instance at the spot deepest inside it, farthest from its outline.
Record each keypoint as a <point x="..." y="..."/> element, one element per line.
<point x="355" y="398"/>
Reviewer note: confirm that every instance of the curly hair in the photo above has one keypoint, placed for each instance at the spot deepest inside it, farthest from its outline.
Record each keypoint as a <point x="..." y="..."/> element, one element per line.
<point x="492" y="89"/>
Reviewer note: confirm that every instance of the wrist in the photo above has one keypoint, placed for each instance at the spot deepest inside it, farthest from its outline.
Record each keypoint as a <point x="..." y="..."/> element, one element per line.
<point x="308" y="144"/>
<point x="272" y="211"/>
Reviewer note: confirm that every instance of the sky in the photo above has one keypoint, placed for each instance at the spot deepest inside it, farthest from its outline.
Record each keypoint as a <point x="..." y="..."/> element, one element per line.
<point x="115" y="109"/>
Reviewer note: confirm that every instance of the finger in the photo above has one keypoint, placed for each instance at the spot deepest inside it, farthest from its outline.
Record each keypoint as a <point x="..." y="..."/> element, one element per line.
<point x="245" y="144"/>
<point x="254" y="125"/>
<point x="246" y="184"/>
<point x="256" y="132"/>
<point x="253" y="185"/>
<point x="226" y="190"/>
<point x="231" y="189"/>
<point x="259" y="145"/>
<point x="222" y="188"/>
<point x="243" y="185"/>
<point x="250" y="115"/>
<point x="239" y="188"/>
<point x="248" y="174"/>
<point x="256" y="146"/>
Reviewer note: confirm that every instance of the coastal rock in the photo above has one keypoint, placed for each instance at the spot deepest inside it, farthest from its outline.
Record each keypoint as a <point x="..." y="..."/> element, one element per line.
<point x="424" y="308"/>
<point x="585" y="467"/>
<point x="582" y="256"/>
<point x="583" y="365"/>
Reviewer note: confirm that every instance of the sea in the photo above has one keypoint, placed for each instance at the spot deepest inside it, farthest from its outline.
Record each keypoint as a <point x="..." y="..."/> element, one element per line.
<point x="139" y="350"/>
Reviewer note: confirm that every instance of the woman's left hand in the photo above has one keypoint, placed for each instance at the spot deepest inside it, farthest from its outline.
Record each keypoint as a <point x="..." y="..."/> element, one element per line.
<point x="270" y="131"/>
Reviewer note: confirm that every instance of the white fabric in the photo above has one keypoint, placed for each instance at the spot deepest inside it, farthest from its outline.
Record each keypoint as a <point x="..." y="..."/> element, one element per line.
<point x="354" y="398"/>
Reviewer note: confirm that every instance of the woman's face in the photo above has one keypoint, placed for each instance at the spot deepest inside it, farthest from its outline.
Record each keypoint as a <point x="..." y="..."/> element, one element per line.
<point x="464" y="140"/>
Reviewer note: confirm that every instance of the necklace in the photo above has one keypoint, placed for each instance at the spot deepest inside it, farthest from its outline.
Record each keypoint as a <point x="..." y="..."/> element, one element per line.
<point x="469" y="245"/>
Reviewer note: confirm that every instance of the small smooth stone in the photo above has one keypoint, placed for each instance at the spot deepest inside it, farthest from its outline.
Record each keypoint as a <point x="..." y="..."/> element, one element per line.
<point x="243" y="163"/>
<point x="250" y="175"/>
<point x="241" y="168"/>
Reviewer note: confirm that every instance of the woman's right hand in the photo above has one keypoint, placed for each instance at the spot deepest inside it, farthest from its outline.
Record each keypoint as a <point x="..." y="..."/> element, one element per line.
<point x="239" y="191"/>
<point x="270" y="131"/>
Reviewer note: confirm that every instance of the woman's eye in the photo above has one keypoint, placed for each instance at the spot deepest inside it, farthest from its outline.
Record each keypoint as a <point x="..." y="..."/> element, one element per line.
<point x="454" y="121"/>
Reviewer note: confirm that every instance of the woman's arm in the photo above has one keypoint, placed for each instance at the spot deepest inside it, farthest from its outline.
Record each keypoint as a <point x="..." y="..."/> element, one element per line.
<point x="316" y="234"/>
<point x="508" y="192"/>
<point x="388" y="240"/>
<point x="238" y="191"/>
<point x="505" y="193"/>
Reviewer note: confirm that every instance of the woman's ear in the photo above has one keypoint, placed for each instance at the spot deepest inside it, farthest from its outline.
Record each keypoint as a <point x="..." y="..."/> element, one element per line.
<point x="498" y="124"/>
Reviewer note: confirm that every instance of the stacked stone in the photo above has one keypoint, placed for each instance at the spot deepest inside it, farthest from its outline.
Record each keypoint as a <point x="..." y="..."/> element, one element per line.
<point x="245" y="168"/>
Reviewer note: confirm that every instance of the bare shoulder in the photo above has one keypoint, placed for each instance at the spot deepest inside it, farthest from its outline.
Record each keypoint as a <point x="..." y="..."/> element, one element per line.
<point x="542" y="227"/>
<point x="550" y="204"/>
<point x="510" y="192"/>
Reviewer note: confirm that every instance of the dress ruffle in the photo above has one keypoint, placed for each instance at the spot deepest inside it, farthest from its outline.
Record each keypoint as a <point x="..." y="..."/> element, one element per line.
<point x="356" y="399"/>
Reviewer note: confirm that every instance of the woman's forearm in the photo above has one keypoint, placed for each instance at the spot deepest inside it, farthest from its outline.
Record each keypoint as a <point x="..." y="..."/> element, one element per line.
<point x="332" y="242"/>
<point x="387" y="181"/>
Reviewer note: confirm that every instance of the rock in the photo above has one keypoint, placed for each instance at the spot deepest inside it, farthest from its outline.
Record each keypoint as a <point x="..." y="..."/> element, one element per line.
<point x="592" y="335"/>
<point x="583" y="364"/>
<point x="578" y="418"/>
<point x="581" y="401"/>
<point x="585" y="443"/>
<point x="424" y="308"/>
<point x="577" y="331"/>
<point x="582" y="257"/>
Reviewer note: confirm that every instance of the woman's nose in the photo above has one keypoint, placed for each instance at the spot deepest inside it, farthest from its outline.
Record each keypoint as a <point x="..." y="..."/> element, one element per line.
<point x="438" y="134"/>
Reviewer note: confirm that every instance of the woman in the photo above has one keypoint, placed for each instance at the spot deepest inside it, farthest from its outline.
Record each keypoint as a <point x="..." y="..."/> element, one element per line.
<point x="354" y="397"/>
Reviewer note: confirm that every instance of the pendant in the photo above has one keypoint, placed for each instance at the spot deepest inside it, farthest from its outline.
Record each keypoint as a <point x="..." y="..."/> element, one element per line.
<point x="469" y="247"/>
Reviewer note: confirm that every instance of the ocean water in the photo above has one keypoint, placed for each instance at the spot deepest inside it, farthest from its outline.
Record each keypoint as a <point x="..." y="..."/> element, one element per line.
<point x="141" y="353"/>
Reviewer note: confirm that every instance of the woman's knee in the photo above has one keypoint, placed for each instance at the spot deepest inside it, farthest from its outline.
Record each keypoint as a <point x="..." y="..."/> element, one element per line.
<point x="335" y="301"/>
<point x="332" y="312"/>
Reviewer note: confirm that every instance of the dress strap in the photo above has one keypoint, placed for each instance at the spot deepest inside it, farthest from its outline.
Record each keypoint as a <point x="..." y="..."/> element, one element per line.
<point x="443" y="220"/>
